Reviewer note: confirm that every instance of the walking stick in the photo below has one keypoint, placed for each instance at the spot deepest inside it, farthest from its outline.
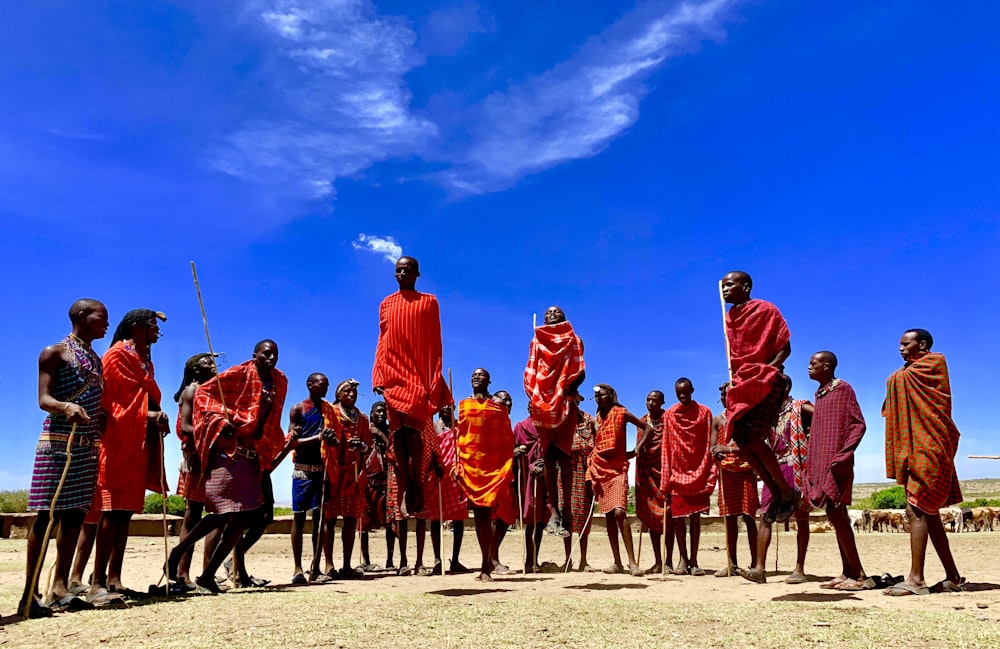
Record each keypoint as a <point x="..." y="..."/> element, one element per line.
<point x="318" y="548"/>
<point x="663" y="568"/>
<point x="638" y="556"/>
<point x="211" y="353"/>
<point x="48" y="528"/>
<point x="729" y="369"/>
<point x="534" y="509"/>
<point x="777" y="547"/>
<point x="163" y="503"/>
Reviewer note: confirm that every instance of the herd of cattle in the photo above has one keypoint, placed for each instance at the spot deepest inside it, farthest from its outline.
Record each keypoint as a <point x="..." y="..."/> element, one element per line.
<point x="976" y="519"/>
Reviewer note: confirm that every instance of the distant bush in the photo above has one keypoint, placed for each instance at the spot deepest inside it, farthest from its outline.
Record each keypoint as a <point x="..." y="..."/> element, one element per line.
<point x="980" y="502"/>
<point x="282" y="511"/>
<point x="891" y="498"/>
<point x="13" y="502"/>
<point x="154" y="505"/>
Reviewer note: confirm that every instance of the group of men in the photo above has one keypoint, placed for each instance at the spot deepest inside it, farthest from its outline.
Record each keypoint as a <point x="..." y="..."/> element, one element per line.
<point x="102" y="444"/>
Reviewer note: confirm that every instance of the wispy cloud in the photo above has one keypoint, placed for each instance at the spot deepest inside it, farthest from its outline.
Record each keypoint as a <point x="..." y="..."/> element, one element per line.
<point x="77" y="135"/>
<point x="388" y="247"/>
<point x="575" y="109"/>
<point x="337" y="73"/>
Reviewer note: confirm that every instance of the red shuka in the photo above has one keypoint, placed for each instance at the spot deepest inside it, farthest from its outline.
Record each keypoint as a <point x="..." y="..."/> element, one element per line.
<point x="688" y="469"/>
<point x="555" y="363"/>
<point x="757" y="332"/>
<point x="241" y="387"/>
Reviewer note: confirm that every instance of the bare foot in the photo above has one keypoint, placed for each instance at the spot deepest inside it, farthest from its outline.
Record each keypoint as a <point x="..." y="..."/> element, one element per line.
<point x="833" y="583"/>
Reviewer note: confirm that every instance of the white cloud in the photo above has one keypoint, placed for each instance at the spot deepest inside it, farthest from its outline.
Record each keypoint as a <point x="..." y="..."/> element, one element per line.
<point x="337" y="69"/>
<point x="388" y="247"/>
<point x="575" y="109"/>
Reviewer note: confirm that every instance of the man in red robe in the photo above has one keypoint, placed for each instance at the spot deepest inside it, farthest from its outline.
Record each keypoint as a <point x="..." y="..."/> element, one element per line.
<point x="552" y="378"/>
<point x="688" y="473"/>
<point x="237" y="429"/>
<point x="759" y="343"/>
<point x="650" y="504"/>
<point x="921" y="440"/>
<point x="407" y="373"/>
<point x="130" y="458"/>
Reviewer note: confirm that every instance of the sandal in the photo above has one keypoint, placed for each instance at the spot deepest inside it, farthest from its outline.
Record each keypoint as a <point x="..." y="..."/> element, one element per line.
<point x="697" y="572"/>
<point x="456" y="568"/>
<point x="423" y="571"/>
<point x="404" y="571"/>
<point x="299" y="579"/>
<point x="502" y="570"/>
<point x="36" y="611"/>
<point x="614" y="569"/>
<point x="105" y="598"/>
<point x="69" y="602"/>
<point x="948" y="586"/>
<point x="753" y="575"/>
<point x="833" y="583"/>
<point x="680" y="570"/>
<point x="854" y="585"/>
<point x="796" y="578"/>
<point x="904" y="589"/>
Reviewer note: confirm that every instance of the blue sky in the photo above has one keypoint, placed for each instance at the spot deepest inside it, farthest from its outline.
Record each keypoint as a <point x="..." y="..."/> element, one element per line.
<point x="613" y="158"/>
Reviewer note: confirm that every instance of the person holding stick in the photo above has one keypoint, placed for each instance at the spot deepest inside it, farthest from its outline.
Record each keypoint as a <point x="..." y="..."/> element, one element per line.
<point x="376" y="515"/>
<point x="581" y="499"/>
<point x="485" y="450"/>
<point x="738" y="497"/>
<point x="190" y="481"/>
<point x="70" y="383"/>
<point x="921" y="441"/>
<point x="344" y="448"/>
<point x="758" y="343"/>
<point x="552" y="379"/>
<point x="130" y="460"/>
<point x="789" y="441"/>
<point x="454" y="501"/>
<point x="608" y="471"/>
<point x="688" y="473"/>
<point x="238" y="442"/>
<point x="529" y="470"/>
<point x="650" y="504"/>
<point x="408" y="374"/>
<point x="307" y="424"/>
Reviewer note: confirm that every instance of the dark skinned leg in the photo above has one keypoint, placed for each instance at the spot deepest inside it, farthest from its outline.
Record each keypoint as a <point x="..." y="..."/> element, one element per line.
<point x="583" y="550"/>
<point x="457" y="533"/>
<point x="34" y="551"/>
<point x="421" y="541"/>
<point x="751" y="527"/>
<point x="656" y="540"/>
<point x="207" y="527"/>
<point x="84" y="546"/>
<point x="801" y="543"/>
<point x="841" y="522"/>
<point x="235" y="525"/>
<point x="436" y="541"/>
<point x="922" y="527"/>
<point x="680" y="534"/>
<point x="347" y="534"/>
<point x="390" y="545"/>
<point x="732" y="532"/>
<point x="537" y="538"/>
<point x="69" y="523"/>
<point x="695" y="538"/>
<point x="484" y="535"/>
<point x="612" y="526"/>
<point x="298" y="524"/>
<point x="403" y="532"/>
<point x="621" y="519"/>
<point x="365" y="557"/>
<point x="192" y="514"/>
<point x="499" y="532"/>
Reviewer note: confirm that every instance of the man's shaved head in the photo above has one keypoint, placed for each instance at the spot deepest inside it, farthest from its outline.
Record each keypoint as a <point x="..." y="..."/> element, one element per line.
<point x="266" y="341"/>
<point x="683" y="381"/>
<point x="827" y="357"/>
<point x="412" y="260"/>
<point x="83" y="307"/>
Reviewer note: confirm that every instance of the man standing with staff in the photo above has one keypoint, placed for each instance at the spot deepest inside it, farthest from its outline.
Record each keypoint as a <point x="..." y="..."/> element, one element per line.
<point x="758" y="342"/>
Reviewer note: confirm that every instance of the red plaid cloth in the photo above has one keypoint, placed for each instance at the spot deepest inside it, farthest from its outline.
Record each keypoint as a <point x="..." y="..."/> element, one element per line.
<point x="608" y="460"/>
<point x="456" y="506"/>
<point x="648" y="475"/>
<point x="345" y="469"/>
<point x="788" y="438"/>
<point x="687" y="468"/>
<point x="581" y="494"/>
<point x="374" y="516"/>
<point x="242" y="389"/>
<point x="757" y="332"/>
<point x="921" y="438"/>
<point x="738" y="493"/>
<point x="612" y="494"/>
<point x="555" y="361"/>
<point x="837" y="429"/>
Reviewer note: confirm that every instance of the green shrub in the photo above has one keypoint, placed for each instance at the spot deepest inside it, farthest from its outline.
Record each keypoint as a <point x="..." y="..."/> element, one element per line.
<point x="282" y="511"/>
<point x="891" y="498"/>
<point x="154" y="505"/>
<point x="13" y="502"/>
<point x="980" y="502"/>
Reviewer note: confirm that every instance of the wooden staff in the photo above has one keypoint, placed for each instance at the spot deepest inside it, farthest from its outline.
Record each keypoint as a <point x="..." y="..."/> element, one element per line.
<point x="163" y="503"/>
<point x="984" y="457"/>
<point x="663" y="568"/>
<point x="638" y="556"/>
<point x="519" y="523"/>
<point x="534" y="512"/>
<point x="318" y="548"/>
<point x="729" y="369"/>
<point x="48" y="528"/>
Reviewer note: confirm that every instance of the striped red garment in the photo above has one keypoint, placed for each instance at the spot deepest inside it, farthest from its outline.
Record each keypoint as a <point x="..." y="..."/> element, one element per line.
<point x="555" y="361"/>
<point x="757" y="332"/>
<point x="649" y="500"/>
<point x="408" y="356"/>
<point x="345" y="466"/>
<point x="688" y="469"/>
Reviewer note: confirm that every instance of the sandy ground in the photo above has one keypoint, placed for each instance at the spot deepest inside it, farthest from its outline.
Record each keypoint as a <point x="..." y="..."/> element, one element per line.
<point x="542" y="610"/>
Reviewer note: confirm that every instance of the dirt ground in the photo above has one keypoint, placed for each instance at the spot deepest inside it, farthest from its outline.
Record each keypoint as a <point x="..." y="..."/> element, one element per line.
<point x="543" y="610"/>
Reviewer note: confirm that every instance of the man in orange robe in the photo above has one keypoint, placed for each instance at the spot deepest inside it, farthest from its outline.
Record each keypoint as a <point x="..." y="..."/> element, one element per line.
<point x="688" y="473"/>
<point x="407" y="373"/>
<point x="130" y="462"/>
<point x="552" y="378"/>
<point x="485" y="470"/>
<point x="921" y="441"/>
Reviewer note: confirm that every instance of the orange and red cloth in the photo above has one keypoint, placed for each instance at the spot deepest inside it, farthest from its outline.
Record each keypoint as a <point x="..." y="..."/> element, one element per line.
<point x="486" y="456"/>
<point x="555" y="365"/>
<point x="921" y="438"/>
